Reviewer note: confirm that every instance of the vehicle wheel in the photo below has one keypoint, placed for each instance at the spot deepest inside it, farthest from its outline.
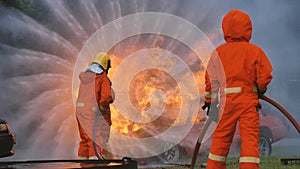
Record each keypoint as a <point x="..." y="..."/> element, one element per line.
<point x="265" y="147"/>
<point x="171" y="154"/>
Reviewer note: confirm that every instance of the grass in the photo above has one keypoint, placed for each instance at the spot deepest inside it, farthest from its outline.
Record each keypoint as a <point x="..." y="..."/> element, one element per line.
<point x="232" y="163"/>
<point x="267" y="163"/>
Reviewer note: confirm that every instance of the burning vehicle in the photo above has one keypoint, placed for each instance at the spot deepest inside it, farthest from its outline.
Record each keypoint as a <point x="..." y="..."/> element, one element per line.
<point x="7" y="140"/>
<point x="152" y="99"/>
<point x="273" y="128"/>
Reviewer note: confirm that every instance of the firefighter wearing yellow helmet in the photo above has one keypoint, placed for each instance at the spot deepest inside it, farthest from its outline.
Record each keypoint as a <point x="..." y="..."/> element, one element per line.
<point x="102" y="59"/>
<point x="95" y="93"/>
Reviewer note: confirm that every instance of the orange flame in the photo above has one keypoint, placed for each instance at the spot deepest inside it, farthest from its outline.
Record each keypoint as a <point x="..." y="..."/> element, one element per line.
<point x="143" y="87"/>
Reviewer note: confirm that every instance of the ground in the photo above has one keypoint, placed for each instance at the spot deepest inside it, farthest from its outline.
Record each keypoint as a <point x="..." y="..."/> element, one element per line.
<point x="286" y="148"/>
<point x="232" y="163"/>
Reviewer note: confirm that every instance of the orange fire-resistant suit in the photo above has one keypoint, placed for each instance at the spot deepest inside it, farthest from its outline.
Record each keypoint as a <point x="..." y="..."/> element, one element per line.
<point x="236" y="72"/>
<point x="95" y="93"/>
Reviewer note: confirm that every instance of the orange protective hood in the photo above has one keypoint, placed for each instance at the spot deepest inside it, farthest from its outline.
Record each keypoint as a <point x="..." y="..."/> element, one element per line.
<point x="237" y="26"/>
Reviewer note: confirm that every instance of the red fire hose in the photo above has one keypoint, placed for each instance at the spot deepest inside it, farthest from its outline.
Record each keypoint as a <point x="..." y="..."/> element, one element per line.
<point x="283" y="111"/>
<point x="198" y="143"/>
<point x="98" y="154"/>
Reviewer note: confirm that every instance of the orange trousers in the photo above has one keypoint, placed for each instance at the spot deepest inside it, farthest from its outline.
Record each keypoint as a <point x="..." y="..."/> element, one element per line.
<point x="248" y="118"/>
<point x="86" y="147"/>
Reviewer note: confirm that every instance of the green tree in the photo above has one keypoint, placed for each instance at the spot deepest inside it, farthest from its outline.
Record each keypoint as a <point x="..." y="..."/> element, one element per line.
<point x="28" y="7"/>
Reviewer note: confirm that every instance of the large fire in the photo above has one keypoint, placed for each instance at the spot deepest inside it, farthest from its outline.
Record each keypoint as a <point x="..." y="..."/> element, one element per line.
<point x="153" y="88"/>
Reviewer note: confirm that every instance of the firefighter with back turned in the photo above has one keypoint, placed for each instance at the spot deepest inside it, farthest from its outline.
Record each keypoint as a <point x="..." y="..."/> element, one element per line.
<point x="94" y="97"/>
<point x="238" y="72"/>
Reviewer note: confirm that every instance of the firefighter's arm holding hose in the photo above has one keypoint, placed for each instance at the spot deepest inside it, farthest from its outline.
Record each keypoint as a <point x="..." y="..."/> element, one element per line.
<point x="264" y="77"/>
<point x="106" y="98"/>
<point x="263" y="73"/>
<point x="211" y="84"/>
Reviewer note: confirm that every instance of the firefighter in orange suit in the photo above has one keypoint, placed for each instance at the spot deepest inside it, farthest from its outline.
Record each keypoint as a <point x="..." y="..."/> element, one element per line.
<point x="237" y="73"/>
<point x="95" y="93"/>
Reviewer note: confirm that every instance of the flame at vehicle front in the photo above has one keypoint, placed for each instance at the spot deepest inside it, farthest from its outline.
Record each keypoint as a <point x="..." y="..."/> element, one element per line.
<point x="154" y="93"/>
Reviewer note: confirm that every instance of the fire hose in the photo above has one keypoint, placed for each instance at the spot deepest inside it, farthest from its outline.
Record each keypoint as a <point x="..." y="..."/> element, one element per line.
<point x="99" y="156"/>
<point x="210" y="120"/>
<point x="212" y="116"/>
<point x="283" y="111"/>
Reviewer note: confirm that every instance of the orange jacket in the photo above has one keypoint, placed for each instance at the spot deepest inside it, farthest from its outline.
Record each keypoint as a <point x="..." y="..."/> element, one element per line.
<point x="237" y="66"/>
<point x="95" y="90"/>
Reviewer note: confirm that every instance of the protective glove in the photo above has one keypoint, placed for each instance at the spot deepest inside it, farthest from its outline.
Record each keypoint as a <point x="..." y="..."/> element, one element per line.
<point x="206" y="105"/>
<point x="113" y="95"/>
<point x="258" y="107"/>
<point x="261" y="91"/>
<point x="260" y="95"/>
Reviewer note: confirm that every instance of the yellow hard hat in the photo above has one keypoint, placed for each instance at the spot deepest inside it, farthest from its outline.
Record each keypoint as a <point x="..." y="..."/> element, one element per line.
<point x="102" y="59"/>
